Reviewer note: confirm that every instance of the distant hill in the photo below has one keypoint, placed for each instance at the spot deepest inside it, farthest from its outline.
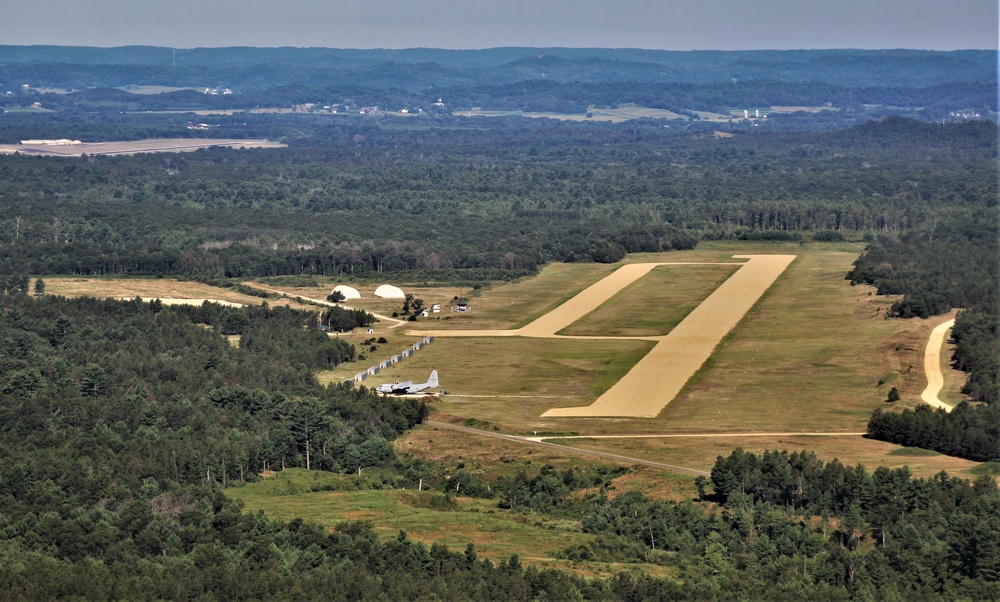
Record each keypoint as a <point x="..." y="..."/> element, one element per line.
<point x="848" y="86"/>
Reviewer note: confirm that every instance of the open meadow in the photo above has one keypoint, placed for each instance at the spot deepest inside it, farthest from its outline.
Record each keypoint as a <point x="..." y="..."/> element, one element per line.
<point x="814" y="353"/>
<point x="429" y="517"/>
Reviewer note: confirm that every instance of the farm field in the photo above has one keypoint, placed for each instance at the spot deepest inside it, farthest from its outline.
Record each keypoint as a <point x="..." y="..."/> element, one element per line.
<point x="160" y="145"/>
<point x="611" y="115"/>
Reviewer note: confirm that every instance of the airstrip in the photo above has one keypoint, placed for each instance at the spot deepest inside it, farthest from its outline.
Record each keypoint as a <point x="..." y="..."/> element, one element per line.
<point x="654" y="382"/>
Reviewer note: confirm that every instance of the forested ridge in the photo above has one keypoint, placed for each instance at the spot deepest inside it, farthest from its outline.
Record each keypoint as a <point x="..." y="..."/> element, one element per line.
<point x="851" y="84"/>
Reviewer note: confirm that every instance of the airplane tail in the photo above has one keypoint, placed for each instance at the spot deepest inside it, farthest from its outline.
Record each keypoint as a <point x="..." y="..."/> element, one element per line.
<point x="433" y="380"/>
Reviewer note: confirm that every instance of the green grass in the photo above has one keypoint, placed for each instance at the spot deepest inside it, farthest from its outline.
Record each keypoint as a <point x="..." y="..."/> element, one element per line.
<point x="654" y="304"/>
<point x="913" y="451"/>
<point x="987" y="468"/>
<point x="496" y="533"/>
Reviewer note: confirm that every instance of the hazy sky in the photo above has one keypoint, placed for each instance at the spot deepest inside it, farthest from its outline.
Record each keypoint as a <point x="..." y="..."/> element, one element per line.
<point x="658" y="24"/>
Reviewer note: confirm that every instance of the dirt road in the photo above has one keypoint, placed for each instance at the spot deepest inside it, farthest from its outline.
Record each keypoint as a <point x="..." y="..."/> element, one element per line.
<point x="575" y="450"/>
<point x="932" y="367"/>
<point x="393" y="322"/>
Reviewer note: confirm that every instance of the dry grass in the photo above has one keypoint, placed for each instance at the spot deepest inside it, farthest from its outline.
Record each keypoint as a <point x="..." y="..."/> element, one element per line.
<point x="492" y="457"/>
<point x="151" y="288"/>
<point x="701" y="453"/>
<point x="496" y="533"/>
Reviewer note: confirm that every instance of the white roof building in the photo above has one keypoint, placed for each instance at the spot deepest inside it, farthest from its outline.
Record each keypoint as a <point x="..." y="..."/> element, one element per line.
<point x="388" y="291"/>
<point x="348" y="292"/>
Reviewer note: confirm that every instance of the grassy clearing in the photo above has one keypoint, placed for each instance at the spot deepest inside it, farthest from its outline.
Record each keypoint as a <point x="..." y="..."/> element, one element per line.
<point x="807" y="357"/>
<point x="496" y="533"/>
<point x="513" y="380"/>
<point x="701" y="453"/>
<point x="913" y="451"/>
<point x="500" y="306"/>
<point x="810" y="356"/>
<point x="493" y="458"/>
<point x="654" y="304"/>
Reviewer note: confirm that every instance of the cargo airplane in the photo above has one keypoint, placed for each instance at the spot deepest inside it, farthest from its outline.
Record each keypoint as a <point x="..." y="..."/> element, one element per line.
<point x="409" y="387"/>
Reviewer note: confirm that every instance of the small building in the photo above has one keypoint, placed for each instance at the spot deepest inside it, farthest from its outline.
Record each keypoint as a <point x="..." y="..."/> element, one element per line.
<point x="435" y="308"/>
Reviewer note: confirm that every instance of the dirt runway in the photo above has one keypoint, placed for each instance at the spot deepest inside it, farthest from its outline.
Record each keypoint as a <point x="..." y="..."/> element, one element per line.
<point x="658" y="377"/>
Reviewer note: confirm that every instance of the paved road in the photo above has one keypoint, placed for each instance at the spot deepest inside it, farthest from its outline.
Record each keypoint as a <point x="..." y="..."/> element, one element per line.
<point x="932" y="367"/>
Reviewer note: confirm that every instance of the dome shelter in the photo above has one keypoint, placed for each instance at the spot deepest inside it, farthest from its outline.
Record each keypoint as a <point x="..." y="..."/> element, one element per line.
<point x="347" y="291"/>
<point x="387" y="291"/>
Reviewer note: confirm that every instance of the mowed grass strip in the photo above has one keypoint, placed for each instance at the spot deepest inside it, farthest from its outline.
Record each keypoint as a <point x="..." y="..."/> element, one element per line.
<point x="654" y="304"/>
<point x="512" y="380"/>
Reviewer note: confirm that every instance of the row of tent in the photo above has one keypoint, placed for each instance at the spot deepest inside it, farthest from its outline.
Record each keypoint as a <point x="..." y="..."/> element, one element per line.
<point x="385" y="291"/>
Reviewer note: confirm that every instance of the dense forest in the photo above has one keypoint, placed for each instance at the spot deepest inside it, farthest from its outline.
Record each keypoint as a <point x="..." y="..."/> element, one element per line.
<point x="384" y="199"/>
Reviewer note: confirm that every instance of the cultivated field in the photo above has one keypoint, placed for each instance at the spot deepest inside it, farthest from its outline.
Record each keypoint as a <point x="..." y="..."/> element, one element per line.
<point x="164" y="145"/>
<point x="616" y="115"/>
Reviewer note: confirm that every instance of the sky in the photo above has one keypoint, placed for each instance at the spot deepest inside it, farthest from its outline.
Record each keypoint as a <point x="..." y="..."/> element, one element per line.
<point x="652" y="24"/>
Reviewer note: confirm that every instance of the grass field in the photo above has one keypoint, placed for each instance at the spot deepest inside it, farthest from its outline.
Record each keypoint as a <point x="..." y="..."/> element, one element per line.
<point x="654" y="304"/>
<point x="701" y="453"/>
<point x="813" y="354"/>
<point x="151" y="288"/>
<point x="496" y="533"/>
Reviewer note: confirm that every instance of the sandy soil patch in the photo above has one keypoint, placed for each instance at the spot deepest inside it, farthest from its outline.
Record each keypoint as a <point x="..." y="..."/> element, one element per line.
<point x="932" y="366"/>
<point x="164" y="289"/>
